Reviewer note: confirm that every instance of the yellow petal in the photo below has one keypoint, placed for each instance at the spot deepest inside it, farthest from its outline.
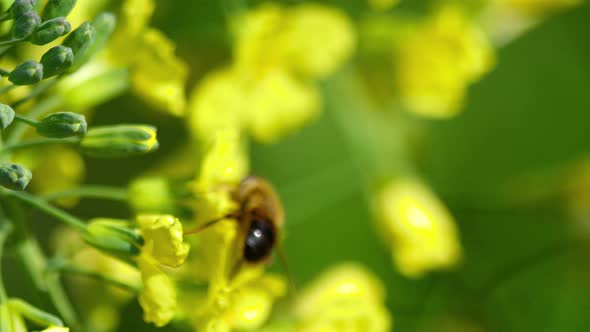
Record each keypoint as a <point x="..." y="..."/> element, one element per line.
<point x="318" y="39"/>
<point x="158" y="296"/>
<point x="163" y="239"/>
<point x="421" y="229"/>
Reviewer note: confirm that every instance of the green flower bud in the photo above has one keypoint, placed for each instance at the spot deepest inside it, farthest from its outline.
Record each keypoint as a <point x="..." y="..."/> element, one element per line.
<point x="56" y="60"/>
<point x="57" y="8"/>
<point x="6" y="115"/>
<point x="113" y="236"/>
<point x="119" y="141"/>
<point x="14" y="176"/>
<point x="20" y="7"/>
<point x="79" y="41"/>
<point x="26" y="24"/>
<point x="62" y="124"/>
<point x="26" y="73"/>
<point x="50" y="30"/>
<point x="104" y="25"/>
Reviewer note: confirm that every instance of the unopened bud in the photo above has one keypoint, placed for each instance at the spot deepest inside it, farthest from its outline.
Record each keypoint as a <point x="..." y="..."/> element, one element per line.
<point x="79" y="41"/>
<point x="62" y="124"/>
<point x="57" y="8"/>
<point x="50" y="30"/>
<point x="56" y="60"/>
<point x="27" y="73"/>
<point x="113" y="236"/>
<point x="6" y="115"/>
<point x="20" y="7"/>
<point x="104" y="25"/>
<point x="119" y="141"/>
<point x="25" y="24"/>
<point x="14" y="176"/>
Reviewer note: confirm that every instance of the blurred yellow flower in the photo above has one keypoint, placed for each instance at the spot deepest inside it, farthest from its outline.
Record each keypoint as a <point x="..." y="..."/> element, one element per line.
<point x="151" y="195"/>
<point x="56" y="329"/>
<point x="421" y="230"/>
<point x="163" y="239"/>
<point x="156" y="74"/>
<point x="439" y="60"/>
<point x="346" y="297"/>
<point x="269" y="90"/>
<point x="56" y="168"/>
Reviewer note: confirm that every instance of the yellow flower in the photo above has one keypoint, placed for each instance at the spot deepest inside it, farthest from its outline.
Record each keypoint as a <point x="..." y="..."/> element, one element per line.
<point x="317" y="39"/>
<point x="158" y="295"/>
<point x="268" y="91"/>
<point x="155" y="74"/>
<point x="279" y="104"/>
<point x="344" y="298"/>
<point x="438" y="62"/>
<point x="422" y="231"/>
<point x="163" y="239"/>
<point x="56" y="329"/>
<point x="238" y="296"/>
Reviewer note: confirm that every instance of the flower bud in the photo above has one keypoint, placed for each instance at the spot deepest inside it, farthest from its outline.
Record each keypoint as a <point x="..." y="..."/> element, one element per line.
<point x="56" y="60"/>
<point x="14" y="176"/>
<point x="26" y="73"/>
<point x="20" y="7"/>
<point x="6" y="116"/>
<point x="57" y="8"/>
<point x="50" y="30"/>
<point x="79" y="41"/>
<point x="104" y="25"/>
<point x="62" y="124"/>
<point x="113" y="236"/>
<point x="25" y="24"/>
<point x="119" y="141"/>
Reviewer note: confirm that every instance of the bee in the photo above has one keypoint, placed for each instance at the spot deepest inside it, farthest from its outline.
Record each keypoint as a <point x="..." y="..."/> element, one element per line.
<point x="260" y="216"/>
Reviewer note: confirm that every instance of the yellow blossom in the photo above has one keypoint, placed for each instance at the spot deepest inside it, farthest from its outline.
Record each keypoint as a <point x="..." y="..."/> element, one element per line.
<point x="344" y="298"/>
<point x="269" y="90"/>
<point x="158" y="295"/>
<point x="317" y="39"/>
<point x="56" y="329"/>
<point x="437" y="63"/>
<point x="163" y="239"/>
<point x="422" y="231"/>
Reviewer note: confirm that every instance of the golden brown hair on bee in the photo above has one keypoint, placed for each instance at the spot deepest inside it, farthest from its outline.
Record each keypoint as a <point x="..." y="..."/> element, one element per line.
<point x="260" y="216"/>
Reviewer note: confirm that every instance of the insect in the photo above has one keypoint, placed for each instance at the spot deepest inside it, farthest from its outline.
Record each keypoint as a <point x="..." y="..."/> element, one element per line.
<point x="260" y="217"/>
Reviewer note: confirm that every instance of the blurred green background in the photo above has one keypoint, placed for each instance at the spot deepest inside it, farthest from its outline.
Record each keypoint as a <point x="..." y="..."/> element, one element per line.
<point x="524" y="268"/>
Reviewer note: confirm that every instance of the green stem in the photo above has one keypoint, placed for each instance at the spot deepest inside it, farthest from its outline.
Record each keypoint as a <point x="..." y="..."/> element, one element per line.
<point x="10" y="42"/>
<point x="43" y="107"/>
<point x="35" y="262"/>
<point x="70" y="268"/>
<point x="39" y="142"/>
<point x="5" y="229"/>
<point x="46" y="207"/>
<point x="4" y="72"/>
<point x="5" y="16"/>
<point x="91" y="191"/>
<point x="26" y="120"/>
